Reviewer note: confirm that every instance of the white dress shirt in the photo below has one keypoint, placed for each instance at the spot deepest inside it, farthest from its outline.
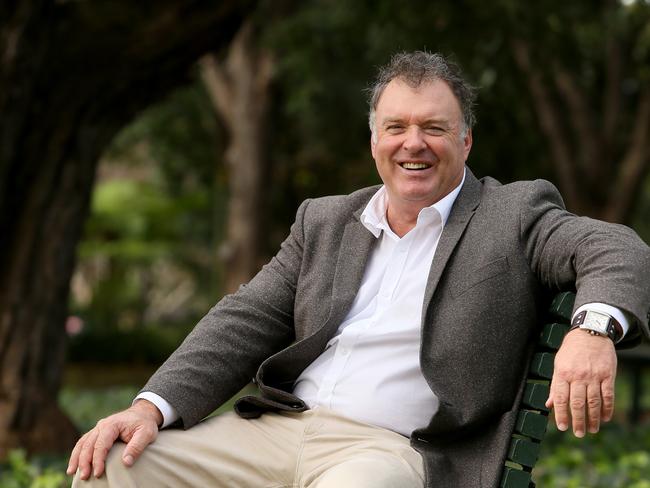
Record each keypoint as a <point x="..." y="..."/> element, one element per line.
<point x="370" y="370"/>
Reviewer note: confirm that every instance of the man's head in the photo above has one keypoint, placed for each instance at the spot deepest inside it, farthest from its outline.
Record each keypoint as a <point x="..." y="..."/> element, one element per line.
<point x="421" y="67"/>
<point x="421" y="119"/>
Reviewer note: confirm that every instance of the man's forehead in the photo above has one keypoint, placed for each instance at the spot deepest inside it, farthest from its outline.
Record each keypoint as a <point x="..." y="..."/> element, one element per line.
<point x="432" y="100"/>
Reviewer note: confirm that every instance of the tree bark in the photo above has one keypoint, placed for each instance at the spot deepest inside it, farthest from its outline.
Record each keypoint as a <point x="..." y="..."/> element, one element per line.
<point x="71" y="74"/>
<point x="239" y="90"/>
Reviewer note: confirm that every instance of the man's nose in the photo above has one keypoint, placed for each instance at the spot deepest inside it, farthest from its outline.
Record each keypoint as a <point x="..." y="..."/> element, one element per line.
<point x="414" y="141"/>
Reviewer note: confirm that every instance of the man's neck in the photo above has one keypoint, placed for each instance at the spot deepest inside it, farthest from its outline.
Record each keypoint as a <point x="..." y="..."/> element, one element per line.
<point x="402" y="221"/>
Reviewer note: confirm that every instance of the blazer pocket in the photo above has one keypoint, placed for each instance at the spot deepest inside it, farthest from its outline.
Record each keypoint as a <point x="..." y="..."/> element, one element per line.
<point x="481" y="274"/>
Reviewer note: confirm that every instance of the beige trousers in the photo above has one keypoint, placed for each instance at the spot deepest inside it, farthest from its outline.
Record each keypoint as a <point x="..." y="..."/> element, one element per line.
<point x="313" y="449"/>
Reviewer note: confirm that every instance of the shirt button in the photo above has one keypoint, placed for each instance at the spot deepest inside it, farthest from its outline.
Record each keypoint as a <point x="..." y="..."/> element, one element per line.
<point x="344" y="351"/>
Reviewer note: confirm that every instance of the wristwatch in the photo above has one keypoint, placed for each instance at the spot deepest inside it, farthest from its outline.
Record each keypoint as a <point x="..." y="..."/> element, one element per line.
<point x="598" y="323"/>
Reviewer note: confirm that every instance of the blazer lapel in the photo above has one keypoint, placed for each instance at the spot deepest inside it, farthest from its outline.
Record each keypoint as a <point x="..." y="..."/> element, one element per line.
<point x="461" y="213"/>
<point x="355" y="249"/>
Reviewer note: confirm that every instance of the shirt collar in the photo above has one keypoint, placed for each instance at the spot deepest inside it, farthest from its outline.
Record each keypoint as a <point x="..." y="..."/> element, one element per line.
<point x="374" y="215"/>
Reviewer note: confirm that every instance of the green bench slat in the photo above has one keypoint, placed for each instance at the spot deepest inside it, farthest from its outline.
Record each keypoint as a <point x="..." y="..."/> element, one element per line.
<point x="542" y="364"/>
<point x="552" y="335"/>
<point x="531" y="424"/>
<point x="524" y="452"/>
<point x="562" y="305"/>
<point x="514" y="478"/>
<point x="535" y="396"/>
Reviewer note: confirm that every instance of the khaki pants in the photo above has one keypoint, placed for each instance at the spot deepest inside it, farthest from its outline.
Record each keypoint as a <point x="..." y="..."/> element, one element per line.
<point x="313" y="449"/>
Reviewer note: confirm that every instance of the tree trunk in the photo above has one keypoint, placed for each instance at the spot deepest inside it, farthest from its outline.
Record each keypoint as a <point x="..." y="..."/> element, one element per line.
<point x="239" y="90"/>
<point x="71" y="74"/>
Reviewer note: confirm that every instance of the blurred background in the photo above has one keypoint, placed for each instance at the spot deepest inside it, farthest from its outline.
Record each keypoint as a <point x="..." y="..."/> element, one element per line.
<point x="153" y="154"/>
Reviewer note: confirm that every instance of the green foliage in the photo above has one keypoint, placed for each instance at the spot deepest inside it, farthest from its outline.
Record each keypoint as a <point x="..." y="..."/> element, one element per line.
<point x="86" y="406"/>
<point x="18" y="472"/>
<point x="149" y="345"/>
<point x="148" y="255"/>
<point x="617" y="457"/>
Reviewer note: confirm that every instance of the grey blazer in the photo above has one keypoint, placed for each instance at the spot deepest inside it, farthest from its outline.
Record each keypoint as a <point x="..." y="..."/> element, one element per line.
<point x="503" y="251"/>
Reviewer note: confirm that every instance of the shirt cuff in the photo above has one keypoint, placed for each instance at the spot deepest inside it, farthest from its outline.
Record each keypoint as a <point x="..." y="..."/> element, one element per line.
<point x="614" y="312"/>
<point x="168" y="412"/>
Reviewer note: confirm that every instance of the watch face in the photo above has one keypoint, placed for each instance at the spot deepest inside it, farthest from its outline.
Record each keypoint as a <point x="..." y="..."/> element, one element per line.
<point x="596" y="321"/>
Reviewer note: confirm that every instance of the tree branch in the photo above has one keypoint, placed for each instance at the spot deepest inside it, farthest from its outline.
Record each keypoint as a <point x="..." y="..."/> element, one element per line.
<point x="218" y="85"/>
<point x="633" y="165"/>
<point x="549" y="120"/>
<point x="580" y="116"/>
<point x="612" y="95"/>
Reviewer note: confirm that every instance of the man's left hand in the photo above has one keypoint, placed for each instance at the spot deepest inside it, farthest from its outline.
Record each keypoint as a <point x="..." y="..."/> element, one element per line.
<point x="582" y="388"/>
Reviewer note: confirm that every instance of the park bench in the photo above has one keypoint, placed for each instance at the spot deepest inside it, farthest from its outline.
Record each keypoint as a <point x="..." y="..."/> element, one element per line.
<point x="532" y="418"/>
<point x="533" y="415"/>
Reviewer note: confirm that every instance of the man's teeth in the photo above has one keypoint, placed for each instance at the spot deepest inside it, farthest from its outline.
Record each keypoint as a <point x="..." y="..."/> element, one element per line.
<point x="414" y="165"/>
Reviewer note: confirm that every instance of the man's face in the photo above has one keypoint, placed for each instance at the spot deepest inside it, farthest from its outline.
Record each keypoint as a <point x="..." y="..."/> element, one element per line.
<point x="420" y="149"/>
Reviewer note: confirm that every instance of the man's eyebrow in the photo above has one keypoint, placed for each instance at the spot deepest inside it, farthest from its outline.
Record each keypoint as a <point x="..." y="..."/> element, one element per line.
<point x="431" y="121"/>
<point x="436" y="121"/>
<point x="392" y="120"/>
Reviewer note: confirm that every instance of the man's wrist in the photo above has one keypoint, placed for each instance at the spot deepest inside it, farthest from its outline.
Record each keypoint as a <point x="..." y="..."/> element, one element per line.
<point x="147" y="408"/>
<point x="169" y="413"/>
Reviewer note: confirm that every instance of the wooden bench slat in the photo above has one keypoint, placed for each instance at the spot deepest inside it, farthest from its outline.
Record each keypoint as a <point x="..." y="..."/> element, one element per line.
<point x="524" y="452"/>
<point x="514" y="478"/>
<point x="531" y="424"/>
<point x="562" y="305"/>
<point x="542" y="364"/>
<point x="552" y="335"/>
<point x="535" y="396"/>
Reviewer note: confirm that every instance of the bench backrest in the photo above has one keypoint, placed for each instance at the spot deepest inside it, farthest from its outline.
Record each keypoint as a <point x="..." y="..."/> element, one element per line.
<point x="533" y="414"/>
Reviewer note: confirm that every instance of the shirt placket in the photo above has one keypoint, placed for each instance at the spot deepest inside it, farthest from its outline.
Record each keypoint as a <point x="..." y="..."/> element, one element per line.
<point x="350" y="336"/>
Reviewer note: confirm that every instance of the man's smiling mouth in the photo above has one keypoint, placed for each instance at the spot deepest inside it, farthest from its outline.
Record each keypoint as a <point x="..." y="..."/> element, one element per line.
<point x="415" y="166"/>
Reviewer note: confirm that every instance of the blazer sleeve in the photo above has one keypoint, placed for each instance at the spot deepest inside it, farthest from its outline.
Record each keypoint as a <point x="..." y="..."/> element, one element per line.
<point x="223" y="351"/>
<point x="606" y="263"/>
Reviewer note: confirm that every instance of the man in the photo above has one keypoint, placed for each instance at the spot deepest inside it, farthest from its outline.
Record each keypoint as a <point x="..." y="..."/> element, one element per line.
<point x="391" y="330"/>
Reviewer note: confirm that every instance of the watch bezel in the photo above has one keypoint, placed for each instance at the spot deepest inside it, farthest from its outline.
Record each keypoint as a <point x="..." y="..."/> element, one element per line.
<point x="591" y="322"/>
<point x="585" y="320"/>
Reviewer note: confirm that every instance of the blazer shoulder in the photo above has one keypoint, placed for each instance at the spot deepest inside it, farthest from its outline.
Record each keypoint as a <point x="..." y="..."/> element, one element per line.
<point x="338" y="207"/>
<point x="521" y="191"/>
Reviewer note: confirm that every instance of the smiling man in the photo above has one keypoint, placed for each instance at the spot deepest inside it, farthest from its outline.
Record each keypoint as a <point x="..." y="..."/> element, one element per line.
<point x="420" y="142"/>
<point x="389" y="335"/>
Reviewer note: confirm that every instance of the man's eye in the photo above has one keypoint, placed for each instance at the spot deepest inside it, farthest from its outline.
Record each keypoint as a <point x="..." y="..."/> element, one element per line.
<point x="394" y="128"/>
<point x="433" y="130"/>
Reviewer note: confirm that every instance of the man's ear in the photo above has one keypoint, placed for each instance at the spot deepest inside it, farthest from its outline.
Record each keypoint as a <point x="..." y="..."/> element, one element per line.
<point x="372" y="144"/>
<point x="467" y="143"/>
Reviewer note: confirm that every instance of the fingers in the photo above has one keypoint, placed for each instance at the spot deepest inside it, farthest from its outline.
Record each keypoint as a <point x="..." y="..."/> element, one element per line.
<point x="585" y="406"/>
<point x="134" y="426"/>
<point x="594" y="407"/>
<point x="559" y="400"/>
<point x="607" y="391"/>
<point x="76" y="453"/>
<point x="577" y="404"/>
<point x="107" y="434"/>
<point x="86" y="454"/>
<point x="582" y="387"/>
<point x="140" y="440"/>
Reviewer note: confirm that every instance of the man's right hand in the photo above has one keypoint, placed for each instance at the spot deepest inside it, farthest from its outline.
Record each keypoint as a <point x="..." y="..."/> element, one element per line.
<point x="137" y="426"/>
